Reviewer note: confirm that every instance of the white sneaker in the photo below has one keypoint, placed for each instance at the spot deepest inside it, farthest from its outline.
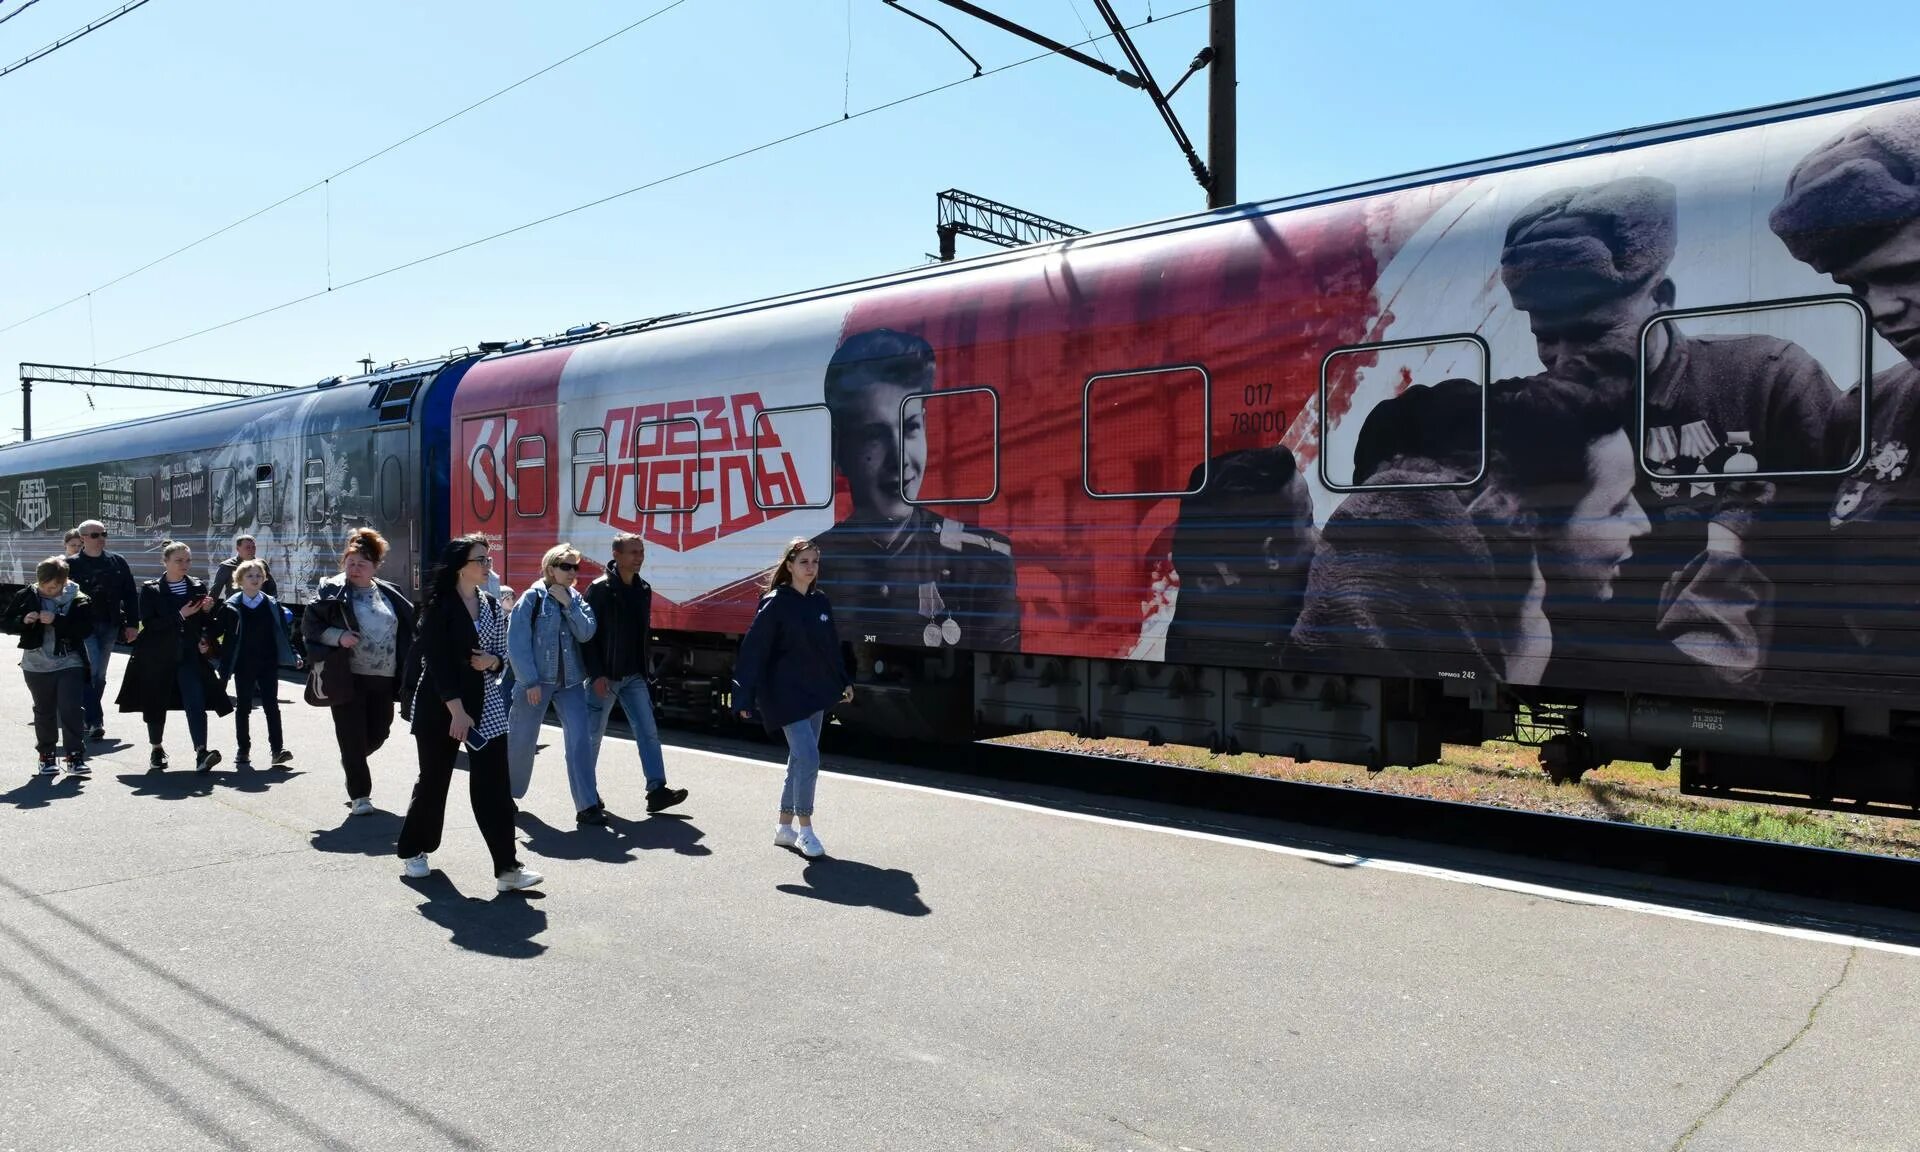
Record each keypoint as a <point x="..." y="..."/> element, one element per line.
<point x="417" y="867"/>
<point x="784" y="836"/>
<point x="808" y="843"/>
<point x="519" y="878"/>
<point x="360" y="806"/>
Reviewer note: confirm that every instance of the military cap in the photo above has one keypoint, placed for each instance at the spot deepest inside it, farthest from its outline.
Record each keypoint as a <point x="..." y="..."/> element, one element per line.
<point x="1576" y="247"/>
<point x="1846" y="196"/>
<point x="1437" y="422"/>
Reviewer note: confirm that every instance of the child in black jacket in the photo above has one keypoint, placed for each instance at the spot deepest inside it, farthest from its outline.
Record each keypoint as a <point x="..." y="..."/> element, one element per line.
<point x="53" y="620"/>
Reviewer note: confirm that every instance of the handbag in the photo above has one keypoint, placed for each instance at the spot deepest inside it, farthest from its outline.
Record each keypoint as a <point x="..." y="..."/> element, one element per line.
<point x="330" y="675"/>
<point x="330" y="679"/>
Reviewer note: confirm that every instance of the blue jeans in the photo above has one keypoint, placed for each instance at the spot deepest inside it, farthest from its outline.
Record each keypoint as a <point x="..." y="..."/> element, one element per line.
<point x="193" y="701"/>
<point x="637" y="703"/>
<point x="523" y="738"/>
<point x="99" y="648"/>
<point x="803" y="765"/>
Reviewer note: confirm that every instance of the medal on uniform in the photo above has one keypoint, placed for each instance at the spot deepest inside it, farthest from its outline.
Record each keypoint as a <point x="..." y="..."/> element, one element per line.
<point x="931" y="635"/>
<point x="950" y="630"/>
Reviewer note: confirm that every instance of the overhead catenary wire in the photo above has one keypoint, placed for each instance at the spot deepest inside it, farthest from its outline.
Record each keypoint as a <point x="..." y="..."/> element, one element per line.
<point x="611" y="197"/>
<point x="18" y="10"/>
<point x="90" y="26"/>
<point x="324" y="181"/>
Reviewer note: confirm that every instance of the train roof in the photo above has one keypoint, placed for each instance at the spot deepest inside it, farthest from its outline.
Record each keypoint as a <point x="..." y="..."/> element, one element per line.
<point x="11" y="455"/>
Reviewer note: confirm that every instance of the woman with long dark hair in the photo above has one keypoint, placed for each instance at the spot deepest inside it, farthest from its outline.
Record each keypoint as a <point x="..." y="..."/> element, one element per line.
<point x="366" y="622"/>
<point x="791" y="670"/>
<point x="462" y="648"/>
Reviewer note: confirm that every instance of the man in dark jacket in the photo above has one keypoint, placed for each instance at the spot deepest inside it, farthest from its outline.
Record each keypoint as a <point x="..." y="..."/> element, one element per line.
<point x="616" y="660"/>
<point x="1852" y="211"/>
<point x="108" y="582"/>
<point x="223" y="587"/>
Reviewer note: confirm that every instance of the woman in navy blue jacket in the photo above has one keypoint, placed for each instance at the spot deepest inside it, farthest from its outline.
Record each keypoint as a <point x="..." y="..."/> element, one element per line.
<point x="790" y="669"/>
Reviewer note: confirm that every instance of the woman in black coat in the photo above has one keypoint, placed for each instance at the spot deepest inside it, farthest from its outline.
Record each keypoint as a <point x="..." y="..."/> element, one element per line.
<point x="791" y="670"/>
<point x="461" y="650"/>
<point x="170" y="671"/>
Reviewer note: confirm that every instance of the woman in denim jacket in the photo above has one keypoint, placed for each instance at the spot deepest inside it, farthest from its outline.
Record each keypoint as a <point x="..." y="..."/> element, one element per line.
<point x="549" y="623"/>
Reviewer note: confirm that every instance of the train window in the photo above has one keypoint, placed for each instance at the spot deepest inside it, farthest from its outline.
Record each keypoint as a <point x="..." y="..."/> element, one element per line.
<point x="393" y="489"/>
<point x="220" y="502"/>
<point x="144" y="509"/>
<point x="666" y="466"/>
<point x="1400" y="401"/>
<point x="6" y="509"/>
<point x="793" y="457"/>
<point x="530" y="476"/>
<point x="1145" y="433"/>
<point x="1780" y="367"/>
<point x="80" y="507"/>
<point x="57" y="519"/>
<point x="313" y="483"/>
<point x="397" y="398"/>
<point x="188" y="487"/>
<point x="481" y="477"/>
<point x="954" y="436"/>
<point x="265" y="509"/>
<point x="590" y="472"/>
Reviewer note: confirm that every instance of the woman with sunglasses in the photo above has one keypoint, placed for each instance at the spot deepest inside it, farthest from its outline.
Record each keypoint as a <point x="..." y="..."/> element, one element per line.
<point x="550" y="622"/>
<point x="458" y="699"/>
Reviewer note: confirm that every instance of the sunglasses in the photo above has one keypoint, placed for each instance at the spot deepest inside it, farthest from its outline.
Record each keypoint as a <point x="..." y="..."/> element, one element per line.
<point x="485" y="560"/>
<point x="94" y="535"/>
<point x="566" y="567"/>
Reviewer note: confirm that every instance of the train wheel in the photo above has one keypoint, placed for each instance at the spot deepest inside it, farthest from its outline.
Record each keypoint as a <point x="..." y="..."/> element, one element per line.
<point x="1567" y="757"/>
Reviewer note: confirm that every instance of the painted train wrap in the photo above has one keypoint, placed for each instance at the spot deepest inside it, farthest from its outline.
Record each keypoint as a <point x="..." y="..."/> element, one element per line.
<point x="1620" y="429"/>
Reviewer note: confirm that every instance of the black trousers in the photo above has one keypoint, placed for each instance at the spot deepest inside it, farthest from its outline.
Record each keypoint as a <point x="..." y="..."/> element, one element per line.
<point x="249" y="682"/>
<point x="59" y="709"/>
<point x="361" y="726"/>
<point x="487" y="788"/>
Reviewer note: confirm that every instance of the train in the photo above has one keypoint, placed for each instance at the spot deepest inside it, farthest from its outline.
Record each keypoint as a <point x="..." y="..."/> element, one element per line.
<point x="1601" y="447"/>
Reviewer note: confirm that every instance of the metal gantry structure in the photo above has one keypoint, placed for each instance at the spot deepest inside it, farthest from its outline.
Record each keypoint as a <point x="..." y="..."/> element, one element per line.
<point x="31" y="374"/>
<point x="964" y="214"/>
<point x="1217" y="173"/>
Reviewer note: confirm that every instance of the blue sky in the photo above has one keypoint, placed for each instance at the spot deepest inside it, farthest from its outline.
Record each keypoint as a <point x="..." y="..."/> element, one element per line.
<point x="187" y="114"/>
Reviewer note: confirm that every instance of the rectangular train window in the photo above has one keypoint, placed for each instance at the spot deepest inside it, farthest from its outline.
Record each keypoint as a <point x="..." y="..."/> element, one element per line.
<point x="1411" y="414"/>
<point x="188" y="486"/>
<point x="144" y="509"/>
<point x="265" y="509"/>
<point x="590" y="472"/>
<point x="530" y="477"/>
<point x="57" y="521"/>
<point x="793" y="457"/>
<point x="1146" y="433"/>
<point x="666" y="467"/>
<point x="6" y="509"/>
<point x="220" y="502"/>
<point x="79" y="506"/>
<point x="396" y="399"/>
<point x="313" y="484"/>
<point x="1748" y="391"/>
<point x="949" y="446"/>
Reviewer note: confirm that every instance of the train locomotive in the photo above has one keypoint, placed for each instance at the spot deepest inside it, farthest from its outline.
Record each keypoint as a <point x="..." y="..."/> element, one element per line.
<point x="1605" y="447"/>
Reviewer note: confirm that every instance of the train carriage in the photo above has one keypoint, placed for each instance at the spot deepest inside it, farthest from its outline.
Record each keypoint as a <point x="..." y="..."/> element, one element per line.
<point x="1606" y="442"/>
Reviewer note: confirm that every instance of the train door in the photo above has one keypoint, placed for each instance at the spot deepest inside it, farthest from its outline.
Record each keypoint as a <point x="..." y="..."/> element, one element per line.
<point x="508" y="482"/>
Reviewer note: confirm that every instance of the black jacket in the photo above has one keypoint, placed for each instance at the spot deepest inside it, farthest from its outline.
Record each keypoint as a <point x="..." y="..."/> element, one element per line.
<point x="109" y="583"/>
<point x="332" y="608"/>
<point x="223" y="585"/>
<point x="623" y="629"/>
<point x="445" y="646"/>
<point x="167" y="641"/>
<point x="790" y="664"/>
<point x="71" y="629"/>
